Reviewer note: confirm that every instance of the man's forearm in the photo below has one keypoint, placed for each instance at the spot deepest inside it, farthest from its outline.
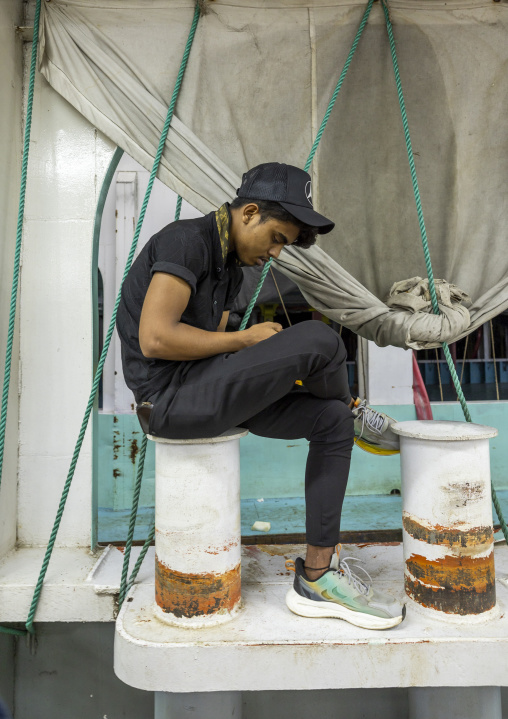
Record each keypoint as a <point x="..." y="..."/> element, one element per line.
<point x="183" y="342"/>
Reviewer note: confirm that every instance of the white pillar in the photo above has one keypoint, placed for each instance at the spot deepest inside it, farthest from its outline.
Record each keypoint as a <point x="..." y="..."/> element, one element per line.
<point x="447" y="518"/>
<point x="197" y="529"/>
<point x="205" y="705"/>
<point x="389" y="376"/>
<point x="455" y="703"/>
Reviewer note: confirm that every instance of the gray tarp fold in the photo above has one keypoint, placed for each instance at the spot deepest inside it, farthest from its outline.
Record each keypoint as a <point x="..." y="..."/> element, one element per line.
<point x="258" y="82"/>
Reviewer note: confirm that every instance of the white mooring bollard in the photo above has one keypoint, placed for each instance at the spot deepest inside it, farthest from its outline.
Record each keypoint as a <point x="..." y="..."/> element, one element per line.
<point x="447" y="519"/>
<point x="197" y="529"/>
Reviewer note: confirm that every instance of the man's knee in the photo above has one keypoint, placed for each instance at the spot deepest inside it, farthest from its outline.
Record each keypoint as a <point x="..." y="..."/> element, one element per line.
<point x="317" y="337"/>
<point x="335" y="419"/>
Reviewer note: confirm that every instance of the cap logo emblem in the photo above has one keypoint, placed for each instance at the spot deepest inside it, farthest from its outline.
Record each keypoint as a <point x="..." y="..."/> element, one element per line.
<point x="308" y="192"/>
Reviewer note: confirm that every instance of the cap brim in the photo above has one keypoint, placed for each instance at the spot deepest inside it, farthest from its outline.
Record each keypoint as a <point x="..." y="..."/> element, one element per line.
<point x="310" y="217"/>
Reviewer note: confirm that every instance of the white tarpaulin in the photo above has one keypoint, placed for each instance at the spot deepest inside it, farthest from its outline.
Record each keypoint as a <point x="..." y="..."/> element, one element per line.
<point x="259" y="79"/>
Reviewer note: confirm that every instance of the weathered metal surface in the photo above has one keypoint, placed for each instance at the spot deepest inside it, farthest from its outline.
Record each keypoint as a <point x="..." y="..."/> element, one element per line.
<point x="195" y="595"/>
<point x="197" y="530"/>
<point x="452" y="584"/>
<point x="474" y="538"/>
<point x="447" y="518"/>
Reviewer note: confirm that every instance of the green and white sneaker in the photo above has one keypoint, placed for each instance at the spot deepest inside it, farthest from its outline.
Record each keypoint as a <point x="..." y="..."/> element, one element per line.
<point x="373" y="431"/>
<point x="341" y="593"/>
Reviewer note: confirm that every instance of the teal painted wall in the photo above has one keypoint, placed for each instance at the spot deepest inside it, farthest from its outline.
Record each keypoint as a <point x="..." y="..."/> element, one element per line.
<point x="275" y="468"/>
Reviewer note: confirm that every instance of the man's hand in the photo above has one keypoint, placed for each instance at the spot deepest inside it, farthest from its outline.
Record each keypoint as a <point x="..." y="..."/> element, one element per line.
<point x="258" y="333"/>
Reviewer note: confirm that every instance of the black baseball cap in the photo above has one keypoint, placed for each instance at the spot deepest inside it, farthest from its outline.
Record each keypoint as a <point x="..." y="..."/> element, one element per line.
<point x="290" y="186"/>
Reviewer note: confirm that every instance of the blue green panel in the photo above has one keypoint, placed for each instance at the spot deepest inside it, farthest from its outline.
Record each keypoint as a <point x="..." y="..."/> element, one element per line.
<point x="276" y="468"/>
<point x="120" y="438"/>
<point x="286" y="516"/>
<point x="273" y="470"/>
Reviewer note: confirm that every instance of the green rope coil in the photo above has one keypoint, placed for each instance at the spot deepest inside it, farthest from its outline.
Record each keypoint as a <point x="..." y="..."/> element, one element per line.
<point x="314" y="148"/>
<point x="426" y="251"/>
<point x="107" y="341"/>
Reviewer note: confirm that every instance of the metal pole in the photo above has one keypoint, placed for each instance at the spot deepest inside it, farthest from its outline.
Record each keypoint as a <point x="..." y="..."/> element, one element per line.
<point x="203" y="705"/>
<point x="447" y="519"/>
<point x="197" y="529"/>
<point x="454" y="703"/>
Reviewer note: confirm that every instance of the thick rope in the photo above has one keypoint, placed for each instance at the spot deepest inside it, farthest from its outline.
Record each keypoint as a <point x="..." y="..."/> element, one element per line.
<point x="17" y="257"/>
<point x="426" y="251"/>
<point x="314" y="148"/>
<point x="124" y="584"/>
<point x="19" y="234"/>
<point x="132" y="523"/>
<point x="107" y="341"/>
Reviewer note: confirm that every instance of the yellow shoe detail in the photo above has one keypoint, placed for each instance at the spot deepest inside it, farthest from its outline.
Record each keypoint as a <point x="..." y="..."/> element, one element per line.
<point x="372" y="449"/>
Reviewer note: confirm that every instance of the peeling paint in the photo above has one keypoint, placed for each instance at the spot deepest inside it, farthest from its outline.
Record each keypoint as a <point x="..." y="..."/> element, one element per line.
<point x="476" y="537"/>
<point x="133" y="450"/>
<point x="192" y="595"/>
<point x="453" y="584"/>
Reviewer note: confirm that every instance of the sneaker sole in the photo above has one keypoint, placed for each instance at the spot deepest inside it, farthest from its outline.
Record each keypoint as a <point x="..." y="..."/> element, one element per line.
<point x="375" y="449"/>
<point x="309" y="608"/>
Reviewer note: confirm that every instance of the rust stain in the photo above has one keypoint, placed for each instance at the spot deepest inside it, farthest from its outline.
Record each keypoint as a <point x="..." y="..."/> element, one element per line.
<point x="274" y="550"/>
<point x="193" y="595"/>
<point x="378" y="544"/>
<point x="449" y="536"/>
<point x="219" y="550"/>
<point x="116" y="473"/>
<point x="134" y="450"/>
<point x="115" y="419"/>
<point x="455" y="585"/>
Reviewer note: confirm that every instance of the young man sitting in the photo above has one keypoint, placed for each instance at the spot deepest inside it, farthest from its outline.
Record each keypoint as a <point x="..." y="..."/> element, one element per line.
<point x="192" y="379"/>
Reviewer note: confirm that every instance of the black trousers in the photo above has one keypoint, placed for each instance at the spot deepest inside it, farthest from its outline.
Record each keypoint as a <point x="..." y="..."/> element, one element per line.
<point x="255" y="388"/>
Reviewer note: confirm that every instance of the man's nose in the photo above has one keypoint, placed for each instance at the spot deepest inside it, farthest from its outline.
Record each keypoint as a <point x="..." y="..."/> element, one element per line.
<point x="275" y="251"/>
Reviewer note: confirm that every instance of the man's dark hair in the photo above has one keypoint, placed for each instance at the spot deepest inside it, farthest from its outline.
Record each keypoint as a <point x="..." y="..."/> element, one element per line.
<point x="274" y="211"/>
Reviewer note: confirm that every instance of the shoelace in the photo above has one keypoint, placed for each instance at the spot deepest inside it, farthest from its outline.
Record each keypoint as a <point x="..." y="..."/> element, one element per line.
<point x="374" y="420"/>
<point x="358" y="583"/>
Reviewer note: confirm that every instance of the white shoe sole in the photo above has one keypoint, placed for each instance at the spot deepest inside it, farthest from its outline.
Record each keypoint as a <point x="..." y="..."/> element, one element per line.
<point x="310" y="608"/>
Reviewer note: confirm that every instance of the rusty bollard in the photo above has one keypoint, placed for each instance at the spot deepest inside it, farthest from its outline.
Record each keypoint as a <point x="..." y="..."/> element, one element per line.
<point x="447" y="518"/>
<point x="197" y="529"/>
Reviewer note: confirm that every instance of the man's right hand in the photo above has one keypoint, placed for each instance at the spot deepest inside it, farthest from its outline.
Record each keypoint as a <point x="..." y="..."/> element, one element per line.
<point x="260" y="332"/>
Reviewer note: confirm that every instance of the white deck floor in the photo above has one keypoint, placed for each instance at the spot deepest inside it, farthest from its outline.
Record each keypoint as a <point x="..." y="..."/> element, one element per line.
<point x="267" y="647"/>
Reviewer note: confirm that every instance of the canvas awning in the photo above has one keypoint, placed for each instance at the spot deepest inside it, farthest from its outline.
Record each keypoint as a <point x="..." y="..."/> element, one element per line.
<point x="259" y="79"/>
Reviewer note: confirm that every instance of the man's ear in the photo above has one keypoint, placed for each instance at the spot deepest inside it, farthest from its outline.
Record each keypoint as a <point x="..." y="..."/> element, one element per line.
<point x="249" y="211"/>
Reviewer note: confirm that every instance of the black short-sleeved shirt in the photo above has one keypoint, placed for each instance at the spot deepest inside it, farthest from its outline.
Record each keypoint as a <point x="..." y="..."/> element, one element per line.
<point x="189" y="249"/>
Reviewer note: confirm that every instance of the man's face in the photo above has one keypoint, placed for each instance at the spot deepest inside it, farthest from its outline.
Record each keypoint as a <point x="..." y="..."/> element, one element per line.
<point x="256" y="242"/>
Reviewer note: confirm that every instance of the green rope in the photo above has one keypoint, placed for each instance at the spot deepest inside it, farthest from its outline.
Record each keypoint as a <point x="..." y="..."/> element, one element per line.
<point x="17" y="256"/>
<point x="124" y="584"/>
<point x="107" y="341"/>
<point x="426" y="251"/>
<point x="11" y="630"/>
<point x="19" y="234"/>
<point x="132" y="523"/>
<point x="137" y="566"/>
<point x="314" y="148"/>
